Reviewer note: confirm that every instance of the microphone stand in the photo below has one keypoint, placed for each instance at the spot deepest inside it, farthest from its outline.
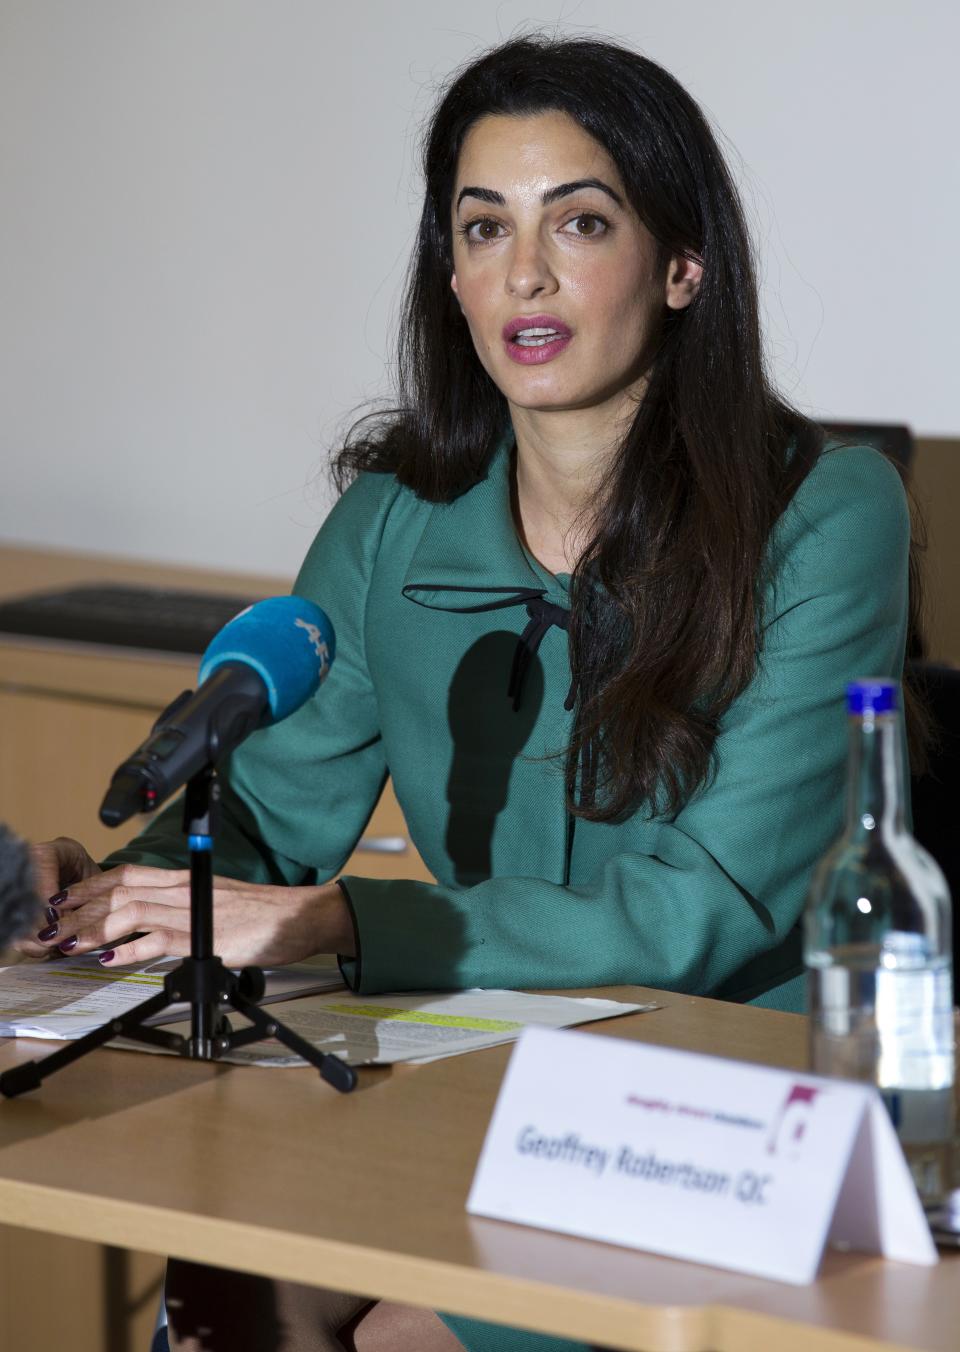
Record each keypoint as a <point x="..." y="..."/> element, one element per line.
<point x="201" y="980"/>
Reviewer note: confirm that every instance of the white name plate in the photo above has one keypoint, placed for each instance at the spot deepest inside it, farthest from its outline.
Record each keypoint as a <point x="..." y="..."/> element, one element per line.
<point x="719" y="1162"/>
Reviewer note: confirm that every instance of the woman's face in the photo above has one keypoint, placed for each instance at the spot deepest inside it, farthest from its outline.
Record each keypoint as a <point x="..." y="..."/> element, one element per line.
<point x="554" y="272"/>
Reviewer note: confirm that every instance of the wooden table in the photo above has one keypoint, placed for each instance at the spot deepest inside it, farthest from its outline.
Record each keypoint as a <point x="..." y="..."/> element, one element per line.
<point x="271" y="1171"/>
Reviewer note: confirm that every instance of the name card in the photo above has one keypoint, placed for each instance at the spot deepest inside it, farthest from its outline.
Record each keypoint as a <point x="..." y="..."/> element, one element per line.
<point x="715" y="1161"/>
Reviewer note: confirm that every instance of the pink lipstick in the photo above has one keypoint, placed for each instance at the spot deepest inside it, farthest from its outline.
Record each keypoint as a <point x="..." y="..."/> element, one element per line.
<point x="532" y="340"/>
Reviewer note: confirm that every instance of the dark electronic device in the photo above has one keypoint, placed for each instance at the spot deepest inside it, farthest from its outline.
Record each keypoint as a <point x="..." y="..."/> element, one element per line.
<point x="163" y="620"/>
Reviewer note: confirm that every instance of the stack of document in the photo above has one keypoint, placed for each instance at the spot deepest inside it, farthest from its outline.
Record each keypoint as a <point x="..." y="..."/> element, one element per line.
<point x="381" y="1030"/>
<point x="66" y="999"/>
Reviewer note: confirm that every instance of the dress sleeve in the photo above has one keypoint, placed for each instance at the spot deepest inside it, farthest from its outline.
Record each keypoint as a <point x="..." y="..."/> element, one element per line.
<point x="693" y="900"/>
<point x="308" y="784"/>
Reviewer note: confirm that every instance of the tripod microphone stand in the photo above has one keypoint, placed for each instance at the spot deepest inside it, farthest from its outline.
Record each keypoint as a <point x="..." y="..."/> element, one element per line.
<point x="201" y="980"/>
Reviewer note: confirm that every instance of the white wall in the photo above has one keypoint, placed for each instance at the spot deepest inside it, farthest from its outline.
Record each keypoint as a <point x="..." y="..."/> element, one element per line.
<point x="207" y="206"/>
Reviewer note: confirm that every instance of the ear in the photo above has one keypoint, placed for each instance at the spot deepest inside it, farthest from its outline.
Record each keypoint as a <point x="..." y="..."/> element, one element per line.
<point x="683" y="280"/>
<point x="453" y="285"/>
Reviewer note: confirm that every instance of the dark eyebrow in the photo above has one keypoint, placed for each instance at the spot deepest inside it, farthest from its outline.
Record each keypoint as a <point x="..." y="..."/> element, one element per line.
<point x="497" y="199"/>
<point x="565" y="189"/>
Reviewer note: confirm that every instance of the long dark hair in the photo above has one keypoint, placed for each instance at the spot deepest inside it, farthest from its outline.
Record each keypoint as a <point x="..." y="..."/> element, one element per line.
<point x="711" y="459"/>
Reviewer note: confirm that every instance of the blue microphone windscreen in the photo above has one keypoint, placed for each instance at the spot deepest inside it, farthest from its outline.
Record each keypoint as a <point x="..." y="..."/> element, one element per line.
<point x="289" y="643"/>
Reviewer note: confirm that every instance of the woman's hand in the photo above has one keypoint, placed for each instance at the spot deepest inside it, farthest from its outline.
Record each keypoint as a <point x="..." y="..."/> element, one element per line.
<point x="252" y="923"/>
<point x="57" y="865"/>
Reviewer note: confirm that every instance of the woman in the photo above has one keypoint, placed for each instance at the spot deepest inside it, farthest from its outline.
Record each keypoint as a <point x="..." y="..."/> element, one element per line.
<point x="596" y="589"/>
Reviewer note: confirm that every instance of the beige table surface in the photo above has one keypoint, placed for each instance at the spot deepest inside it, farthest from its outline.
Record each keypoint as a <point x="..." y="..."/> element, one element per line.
<point x="272" y="1171"/>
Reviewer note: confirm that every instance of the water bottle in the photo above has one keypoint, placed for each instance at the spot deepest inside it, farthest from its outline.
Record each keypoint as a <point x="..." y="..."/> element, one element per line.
<point x="878" y="948"/>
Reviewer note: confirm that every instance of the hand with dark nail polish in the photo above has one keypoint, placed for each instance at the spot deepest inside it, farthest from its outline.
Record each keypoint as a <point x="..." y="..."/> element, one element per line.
<point x="57" y="899"/>
<point x="108" y="956"/>
<point x="51" y="932"/>
<point x="68" y="945"/>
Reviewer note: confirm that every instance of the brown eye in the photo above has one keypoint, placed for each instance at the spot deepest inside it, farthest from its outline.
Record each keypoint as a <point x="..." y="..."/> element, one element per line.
<point x="482" y="231"/>
<point x="587" y="225"/>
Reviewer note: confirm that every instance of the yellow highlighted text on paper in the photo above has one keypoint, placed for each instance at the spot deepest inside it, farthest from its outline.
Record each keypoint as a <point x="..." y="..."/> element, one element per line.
<point x="138" y="978"/>
<point x="423" y="1016"/>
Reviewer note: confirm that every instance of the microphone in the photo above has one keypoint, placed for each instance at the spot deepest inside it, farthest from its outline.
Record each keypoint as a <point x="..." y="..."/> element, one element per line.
<point x="261" y="667"/>
<point x="18" y="898"/>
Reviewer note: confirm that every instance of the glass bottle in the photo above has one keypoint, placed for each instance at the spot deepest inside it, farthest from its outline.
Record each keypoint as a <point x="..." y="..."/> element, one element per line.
<point x="877" y="948"/>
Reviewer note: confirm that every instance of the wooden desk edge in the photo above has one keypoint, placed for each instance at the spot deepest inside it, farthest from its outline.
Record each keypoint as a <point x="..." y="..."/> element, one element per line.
<point x="473" y="1293"/>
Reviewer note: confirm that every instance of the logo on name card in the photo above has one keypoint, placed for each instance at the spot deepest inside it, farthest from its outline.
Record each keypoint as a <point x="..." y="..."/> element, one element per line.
<point x="790" y="1124"/>
<point x="715" y="1117"/>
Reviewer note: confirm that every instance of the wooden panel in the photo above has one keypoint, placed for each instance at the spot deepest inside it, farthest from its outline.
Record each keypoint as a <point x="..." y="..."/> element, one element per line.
<point x="56" y="759"/>
<point x="30" y="1266"/>
<point x="115" y="676"/>
<point x="57" y="1292"/>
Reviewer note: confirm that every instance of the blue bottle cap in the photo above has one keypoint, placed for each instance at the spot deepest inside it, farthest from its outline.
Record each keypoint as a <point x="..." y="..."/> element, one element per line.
<point x="873" y="695"/>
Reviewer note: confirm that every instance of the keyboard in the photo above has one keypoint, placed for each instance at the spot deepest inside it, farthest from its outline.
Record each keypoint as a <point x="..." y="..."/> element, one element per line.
<point x="164" y="620"/>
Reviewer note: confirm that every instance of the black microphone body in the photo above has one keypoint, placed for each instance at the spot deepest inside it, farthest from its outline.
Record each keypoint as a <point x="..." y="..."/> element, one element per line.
<point x="196" y="730"/>
<point x="260" y="668"/>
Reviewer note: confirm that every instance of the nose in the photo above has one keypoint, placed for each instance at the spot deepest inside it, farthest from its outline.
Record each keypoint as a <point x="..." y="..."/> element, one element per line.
<point x="529" y="273"/>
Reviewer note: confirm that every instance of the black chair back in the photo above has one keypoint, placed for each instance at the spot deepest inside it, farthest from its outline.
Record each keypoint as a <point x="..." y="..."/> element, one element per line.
<point x="936" y="793"/>
<point x="894" y="439"/>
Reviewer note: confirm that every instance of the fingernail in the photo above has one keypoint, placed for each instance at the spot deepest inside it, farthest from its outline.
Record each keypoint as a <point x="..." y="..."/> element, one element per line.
<point x="57" y="898"/>
<point x="53" y="915"/>
<point x="50" y="932"/>
<point x="69" y="945"/>
<point x="108" y="956"/>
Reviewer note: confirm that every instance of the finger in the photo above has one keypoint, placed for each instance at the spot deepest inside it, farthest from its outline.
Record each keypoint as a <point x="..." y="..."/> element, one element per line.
<point x="115" y="896"/>
<point x="103" y="919"/>
<point x="43" y="917"/>
<point x="60" y="862"/>
<point x="84" y="931"/>
<point x="46" y="871"/>
<point x="124" y="881"/>
<point x="31" y="948"/>
<point x="55" y="926"/>
<point x="129" y="880"/>
<point x="82" y="862"/>
<point x="158" y="943"/>
<point x="102" y="885"/>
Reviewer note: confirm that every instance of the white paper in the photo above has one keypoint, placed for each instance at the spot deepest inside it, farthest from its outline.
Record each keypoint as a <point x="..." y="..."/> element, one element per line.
<point x="65" y="999"/>
<point x="366" y="1030"/>
<point x="696" y="1157"/>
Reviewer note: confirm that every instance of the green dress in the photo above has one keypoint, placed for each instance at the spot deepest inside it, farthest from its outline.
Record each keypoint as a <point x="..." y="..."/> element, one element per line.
<point x="427" y="602"/>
